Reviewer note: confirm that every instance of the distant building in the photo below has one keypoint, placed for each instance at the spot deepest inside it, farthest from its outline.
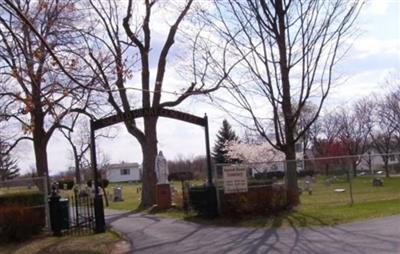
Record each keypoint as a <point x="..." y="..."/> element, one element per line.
<point x="374" y="161"/>
<point x="123" y="172"/>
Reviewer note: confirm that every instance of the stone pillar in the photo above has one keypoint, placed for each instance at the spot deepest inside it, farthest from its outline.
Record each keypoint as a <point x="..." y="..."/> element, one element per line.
<point x="163" y="197"/>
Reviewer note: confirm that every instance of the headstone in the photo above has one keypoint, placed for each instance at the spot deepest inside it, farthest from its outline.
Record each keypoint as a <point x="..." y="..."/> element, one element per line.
<point x="328" y="182"/>
<point x="307" y="185"/>
<point x="377" y="182"/>
<point x="118" y="194"/>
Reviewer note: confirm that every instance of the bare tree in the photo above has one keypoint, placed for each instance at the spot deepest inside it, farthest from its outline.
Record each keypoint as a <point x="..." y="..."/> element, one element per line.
<point x="35" y="93"/>
<point x="385" y="132"/>
<point x="130" y="49"/>
<point x="290" y="49"/>
<point x="196" y="165"/>
<point x="355" y="128"/>
<point x="78" y="137"/>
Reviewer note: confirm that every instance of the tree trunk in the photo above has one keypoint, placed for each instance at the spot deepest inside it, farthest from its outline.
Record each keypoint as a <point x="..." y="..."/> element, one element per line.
<point x="149" y="149"/>
<point x="40" y="149"/>
<point x="291" y="176"/>
<point x="77" y="166"/>
<point x="386" y="166"/>
<point x="291" y="173"/>
<point x="354" y="167"/>
<point x="327" y="169"/>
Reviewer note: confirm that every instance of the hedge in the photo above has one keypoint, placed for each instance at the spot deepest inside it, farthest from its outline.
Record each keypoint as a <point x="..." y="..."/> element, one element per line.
<point x="203" y="200"/>
<point x="21" y="215"/>
<point x="23" y="198"/>
<point x="260" y="200"/>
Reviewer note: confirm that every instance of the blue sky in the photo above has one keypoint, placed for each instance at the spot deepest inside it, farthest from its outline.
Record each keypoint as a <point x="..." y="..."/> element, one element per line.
<point x="375" y="54"/>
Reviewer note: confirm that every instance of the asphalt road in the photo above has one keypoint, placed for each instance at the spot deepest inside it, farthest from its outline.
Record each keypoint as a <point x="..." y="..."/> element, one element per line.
<point x="151" y="234"/>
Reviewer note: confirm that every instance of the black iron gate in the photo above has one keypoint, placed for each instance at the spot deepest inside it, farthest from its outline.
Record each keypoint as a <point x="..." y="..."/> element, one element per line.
<point x="81" y="214"/>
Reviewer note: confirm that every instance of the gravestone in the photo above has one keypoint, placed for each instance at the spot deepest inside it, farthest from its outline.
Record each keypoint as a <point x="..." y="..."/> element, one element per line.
<point x="307" y="185"/>
<point x="328" y="182"/>
<point x="377" y="182"/>
<point x="117" y="194"/>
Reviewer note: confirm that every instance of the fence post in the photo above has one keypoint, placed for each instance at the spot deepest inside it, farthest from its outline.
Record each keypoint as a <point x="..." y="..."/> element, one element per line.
<point x="100" y="226"/>
<point x="350" y="178"/>
<point x="55" y="214"/>
<point x="46" y="202"/>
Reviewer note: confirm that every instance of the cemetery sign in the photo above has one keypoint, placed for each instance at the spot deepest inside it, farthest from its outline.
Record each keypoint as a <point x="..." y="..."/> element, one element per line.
<point x="235" y="179"/>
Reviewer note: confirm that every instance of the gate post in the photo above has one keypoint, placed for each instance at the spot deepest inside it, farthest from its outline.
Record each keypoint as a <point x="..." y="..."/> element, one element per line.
<point x="208" y="152"/>
<point x="55" y="214"/>
<point x="100" y="225"/>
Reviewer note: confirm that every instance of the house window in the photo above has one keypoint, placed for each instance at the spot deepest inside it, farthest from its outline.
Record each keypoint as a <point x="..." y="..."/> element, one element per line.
<point x="392" y="157"/>
<point x="125" y="171"/>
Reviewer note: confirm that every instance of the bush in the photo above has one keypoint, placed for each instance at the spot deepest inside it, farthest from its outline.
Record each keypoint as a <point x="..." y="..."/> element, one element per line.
<point x="24" y="199"/>
<point x="269" y="175"/>
<point x="260" y="182"/>
<point x="21" y="215"/>
<point x="18" y="222"/>
<point x="204" y="201"/>
<point x="261" y="200"/>
<point x="68" y="182"/>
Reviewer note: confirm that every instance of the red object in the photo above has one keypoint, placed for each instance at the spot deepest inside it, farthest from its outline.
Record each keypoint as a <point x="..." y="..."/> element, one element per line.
<point x="163" y="197"/>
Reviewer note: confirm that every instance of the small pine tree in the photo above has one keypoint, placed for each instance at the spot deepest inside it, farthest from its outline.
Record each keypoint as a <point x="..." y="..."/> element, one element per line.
<point x="225" y="134"/>
<point x="8" y="166"/>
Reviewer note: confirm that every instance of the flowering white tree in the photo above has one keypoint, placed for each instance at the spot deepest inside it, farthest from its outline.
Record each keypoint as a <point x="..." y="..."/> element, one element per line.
<point x="262" y="155"/>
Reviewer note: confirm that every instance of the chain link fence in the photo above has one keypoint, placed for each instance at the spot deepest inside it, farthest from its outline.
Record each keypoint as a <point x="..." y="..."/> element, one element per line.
<point x="324" y="181"/>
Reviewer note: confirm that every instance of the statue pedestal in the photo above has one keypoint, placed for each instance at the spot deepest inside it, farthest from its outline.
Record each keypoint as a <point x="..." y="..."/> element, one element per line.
<point x="163" y="196"/>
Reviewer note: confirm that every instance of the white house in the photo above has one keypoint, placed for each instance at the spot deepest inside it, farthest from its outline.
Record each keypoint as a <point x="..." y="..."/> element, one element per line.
<point x="123" y="172"/>
<point x="374" y="161"/>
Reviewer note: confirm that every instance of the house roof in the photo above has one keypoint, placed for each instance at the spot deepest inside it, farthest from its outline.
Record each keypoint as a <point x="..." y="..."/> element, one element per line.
<point x="122" y="165"/>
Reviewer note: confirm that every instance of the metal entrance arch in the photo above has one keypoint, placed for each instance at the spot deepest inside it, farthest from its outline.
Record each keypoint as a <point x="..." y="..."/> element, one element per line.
<point x="137" y="113"/>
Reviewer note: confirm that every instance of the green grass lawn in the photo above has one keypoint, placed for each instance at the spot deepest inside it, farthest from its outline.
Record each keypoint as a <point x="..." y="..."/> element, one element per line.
<point x="323" y="207"/>
<point x="93" y="244"/>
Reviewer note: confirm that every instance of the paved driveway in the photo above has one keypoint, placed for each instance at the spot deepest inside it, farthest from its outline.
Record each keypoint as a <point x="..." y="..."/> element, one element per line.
<point x="151" y="234"/>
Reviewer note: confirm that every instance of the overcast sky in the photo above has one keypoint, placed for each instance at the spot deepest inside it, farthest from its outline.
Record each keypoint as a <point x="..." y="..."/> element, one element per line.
<point x="375" y="54"/>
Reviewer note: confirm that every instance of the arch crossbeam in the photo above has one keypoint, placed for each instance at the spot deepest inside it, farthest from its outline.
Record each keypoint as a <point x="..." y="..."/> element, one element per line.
<point x="149" y="112"/>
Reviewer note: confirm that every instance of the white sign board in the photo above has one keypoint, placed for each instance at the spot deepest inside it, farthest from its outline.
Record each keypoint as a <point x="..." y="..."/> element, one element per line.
<point x="235" y="179"/>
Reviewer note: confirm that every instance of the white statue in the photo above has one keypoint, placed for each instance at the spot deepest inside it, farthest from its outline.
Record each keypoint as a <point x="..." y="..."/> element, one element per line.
<point x="161" y="168"/>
